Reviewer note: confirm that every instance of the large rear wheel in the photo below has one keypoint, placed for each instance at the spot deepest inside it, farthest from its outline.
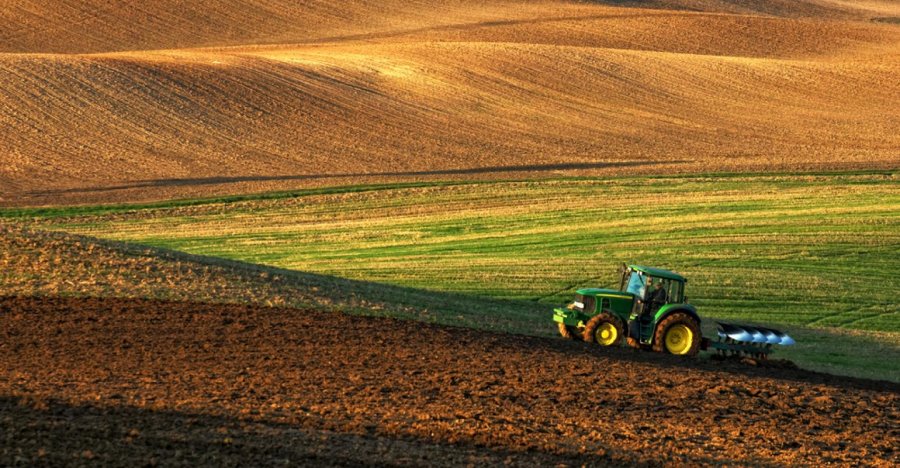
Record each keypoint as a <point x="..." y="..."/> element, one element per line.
<point x="604" y="329"/>
<point x="678" y="334"/>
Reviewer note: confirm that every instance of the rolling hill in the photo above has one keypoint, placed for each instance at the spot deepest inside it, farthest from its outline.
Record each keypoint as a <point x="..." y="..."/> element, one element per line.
<point x="117" y="101"/>
<point x="388" y="299"/>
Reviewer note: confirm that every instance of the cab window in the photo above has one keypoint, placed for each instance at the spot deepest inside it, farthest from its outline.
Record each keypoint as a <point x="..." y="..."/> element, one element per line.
<point x="636" y="284"/>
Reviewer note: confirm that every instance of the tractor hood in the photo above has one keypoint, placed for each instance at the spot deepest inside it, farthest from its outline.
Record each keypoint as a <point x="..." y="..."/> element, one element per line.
<point x="600" y="292"/>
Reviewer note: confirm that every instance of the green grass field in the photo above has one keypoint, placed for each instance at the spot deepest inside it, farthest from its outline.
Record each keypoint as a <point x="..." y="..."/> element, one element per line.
<point x="817" y="251"/>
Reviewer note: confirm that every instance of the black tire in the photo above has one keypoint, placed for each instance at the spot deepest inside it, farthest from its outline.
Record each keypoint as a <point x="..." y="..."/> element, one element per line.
<point x="674" y="320"/>
<point x="569" y="332"/>
<point x="590" y="330"/>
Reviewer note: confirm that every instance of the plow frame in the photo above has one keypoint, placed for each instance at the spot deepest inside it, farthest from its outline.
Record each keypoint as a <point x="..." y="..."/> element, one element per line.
<point x="730" y="347"/>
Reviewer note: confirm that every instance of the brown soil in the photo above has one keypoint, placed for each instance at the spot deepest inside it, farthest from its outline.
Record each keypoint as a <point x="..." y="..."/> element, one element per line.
<point x="91" y="26"/>
<point x="117" y="102"/>
<point x="129" y="382"/>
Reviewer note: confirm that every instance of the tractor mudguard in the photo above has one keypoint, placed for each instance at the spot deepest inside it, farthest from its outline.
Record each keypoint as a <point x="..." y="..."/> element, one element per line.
<point x="670" y="309"/>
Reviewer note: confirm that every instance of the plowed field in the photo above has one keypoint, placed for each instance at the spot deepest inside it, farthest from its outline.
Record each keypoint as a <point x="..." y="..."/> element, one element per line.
<point x="131" y="382"/>
<point x="117" y="102"/>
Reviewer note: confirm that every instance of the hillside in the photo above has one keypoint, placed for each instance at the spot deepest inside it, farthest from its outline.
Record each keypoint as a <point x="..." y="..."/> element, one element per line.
<point x="108" y="102"/>
<point x="91" y="26"/>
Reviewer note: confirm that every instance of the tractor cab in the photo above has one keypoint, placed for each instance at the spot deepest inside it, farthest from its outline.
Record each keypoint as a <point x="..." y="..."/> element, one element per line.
<point x="652" y="288"/>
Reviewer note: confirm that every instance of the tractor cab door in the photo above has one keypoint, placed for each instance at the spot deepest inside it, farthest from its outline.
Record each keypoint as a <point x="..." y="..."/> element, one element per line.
<point x="648" y="299"/>
<point x="635" y="283"/>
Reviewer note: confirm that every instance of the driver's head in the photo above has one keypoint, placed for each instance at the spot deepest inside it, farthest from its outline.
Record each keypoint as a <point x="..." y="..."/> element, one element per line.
<point x="658" y="284"/>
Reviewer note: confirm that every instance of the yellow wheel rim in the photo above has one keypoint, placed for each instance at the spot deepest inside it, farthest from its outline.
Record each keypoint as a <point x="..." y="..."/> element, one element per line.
<point x="606" y="334"/>
<point x="679" y="339"/>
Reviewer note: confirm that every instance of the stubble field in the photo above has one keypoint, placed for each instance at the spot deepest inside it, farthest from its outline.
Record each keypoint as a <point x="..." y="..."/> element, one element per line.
<point x="813" y="255"/>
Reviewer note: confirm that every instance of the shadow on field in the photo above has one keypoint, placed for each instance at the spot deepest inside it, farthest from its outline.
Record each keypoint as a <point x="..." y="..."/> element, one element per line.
<point x="54" y="433"/>
<point x="200" y="181"/>
<point x="669" y="363"/>
<point x="50" y="432"/>
<point x="304" y="290"/>
<point x="527" y="317"/>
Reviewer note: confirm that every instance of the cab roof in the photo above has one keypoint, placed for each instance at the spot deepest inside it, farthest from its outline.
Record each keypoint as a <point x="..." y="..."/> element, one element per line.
<point x="659" y="272"/>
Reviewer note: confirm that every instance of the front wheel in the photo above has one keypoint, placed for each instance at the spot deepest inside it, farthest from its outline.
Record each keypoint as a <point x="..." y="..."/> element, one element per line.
<point x="569" y="332"/>
<point x="678" y="334"/>
<point x="604" y="329"/>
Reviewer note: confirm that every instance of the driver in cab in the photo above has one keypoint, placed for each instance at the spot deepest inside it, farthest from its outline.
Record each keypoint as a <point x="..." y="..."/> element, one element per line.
<point x="655" y="297"/>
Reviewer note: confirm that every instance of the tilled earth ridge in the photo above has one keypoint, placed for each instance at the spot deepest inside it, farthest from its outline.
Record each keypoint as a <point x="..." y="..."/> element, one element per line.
<point x="126" y="382"/>
<point x="109" y="101"/>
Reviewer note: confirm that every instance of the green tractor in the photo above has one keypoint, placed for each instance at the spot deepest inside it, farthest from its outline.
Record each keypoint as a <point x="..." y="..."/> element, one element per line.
<point x="650" y="311"/>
